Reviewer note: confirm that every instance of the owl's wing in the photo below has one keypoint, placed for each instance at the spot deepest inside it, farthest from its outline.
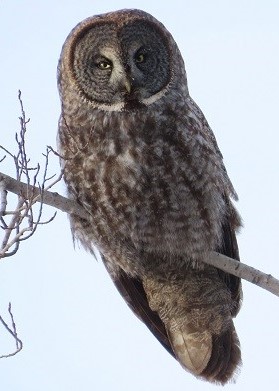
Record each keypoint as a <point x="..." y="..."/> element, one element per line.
<point x="229" y="248"/>
<point x="211" y="141"/>
<point x="133" y="293"/>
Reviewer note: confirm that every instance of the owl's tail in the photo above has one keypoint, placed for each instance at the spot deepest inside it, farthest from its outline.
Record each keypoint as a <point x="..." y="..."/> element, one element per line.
<point x="213" y="357"/>
<point x="196" y="310"/>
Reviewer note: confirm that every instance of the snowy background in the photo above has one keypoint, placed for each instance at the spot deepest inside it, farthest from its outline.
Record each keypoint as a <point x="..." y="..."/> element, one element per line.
<point x="78" y="333"/>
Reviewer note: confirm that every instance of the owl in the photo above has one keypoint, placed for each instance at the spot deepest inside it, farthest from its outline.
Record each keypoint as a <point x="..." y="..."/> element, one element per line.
<point x="140" y="158"/>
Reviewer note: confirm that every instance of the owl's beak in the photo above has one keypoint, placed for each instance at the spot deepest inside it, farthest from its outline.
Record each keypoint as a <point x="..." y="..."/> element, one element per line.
<point x="127" y="85"/>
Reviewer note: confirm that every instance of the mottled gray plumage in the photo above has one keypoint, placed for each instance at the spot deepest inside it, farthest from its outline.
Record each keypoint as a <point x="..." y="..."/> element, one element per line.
<point x="140" y="158"/>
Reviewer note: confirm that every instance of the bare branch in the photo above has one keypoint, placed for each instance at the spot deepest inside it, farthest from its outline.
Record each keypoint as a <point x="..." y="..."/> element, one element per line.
<point x="248" y="273"/>
<point x="3" y="199"/>
<point x="12" y="330"/>
<point x="14" y="224"/>
<point x="8" y="152"/>
<point x="220" y="261"/>
<point x="54" y="151"/>
<point x="22" y="222"/>
<point x="50" y="198"/>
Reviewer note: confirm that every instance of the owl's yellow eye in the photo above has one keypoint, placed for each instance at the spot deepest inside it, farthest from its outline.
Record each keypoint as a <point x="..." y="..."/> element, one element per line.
<point x="104" y="65"/>
<point x="140" y="58"/>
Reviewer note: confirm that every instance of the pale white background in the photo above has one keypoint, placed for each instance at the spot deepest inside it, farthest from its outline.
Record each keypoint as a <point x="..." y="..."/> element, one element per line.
<point x="78" y="333"/>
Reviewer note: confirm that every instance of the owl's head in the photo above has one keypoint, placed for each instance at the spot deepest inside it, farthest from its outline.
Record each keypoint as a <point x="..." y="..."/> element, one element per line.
<point x="120" y="59"/>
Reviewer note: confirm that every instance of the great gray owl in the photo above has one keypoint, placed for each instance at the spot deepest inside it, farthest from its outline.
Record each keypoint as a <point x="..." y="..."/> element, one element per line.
<point x="140" y="158"/>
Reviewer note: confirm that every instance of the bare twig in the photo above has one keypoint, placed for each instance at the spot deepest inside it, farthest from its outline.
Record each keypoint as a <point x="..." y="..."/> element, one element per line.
<point x="13" y="225"/>
<point x="12" y="330"/>
<point x="3" y="199"/>
<point x="23" y="221"/>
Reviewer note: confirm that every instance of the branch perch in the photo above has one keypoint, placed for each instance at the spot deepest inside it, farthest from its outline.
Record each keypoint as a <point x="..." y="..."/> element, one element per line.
<point x="248" y="273"/>
<point x="49" y="198"/>
<point x="229" y="265"/>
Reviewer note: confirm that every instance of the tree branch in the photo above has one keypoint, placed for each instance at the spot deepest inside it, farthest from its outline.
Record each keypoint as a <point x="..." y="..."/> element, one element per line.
<point x="49" y="198"/>
<point x="241" y="270"/>
<point x="220" y="261"/>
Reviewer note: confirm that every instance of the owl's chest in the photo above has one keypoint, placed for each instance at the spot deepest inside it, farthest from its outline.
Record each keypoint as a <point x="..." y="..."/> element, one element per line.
<point x="138" y="179"/>
<point x="141" y="171"/>
<point x="149" y="182"/>
<point x="153" y="200"/>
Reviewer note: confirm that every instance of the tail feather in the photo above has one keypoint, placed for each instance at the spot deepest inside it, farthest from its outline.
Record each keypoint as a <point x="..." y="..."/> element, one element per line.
<point x="214" y="358"/>
<point x="192" y="348"/>
<point x="225" y="358"/>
